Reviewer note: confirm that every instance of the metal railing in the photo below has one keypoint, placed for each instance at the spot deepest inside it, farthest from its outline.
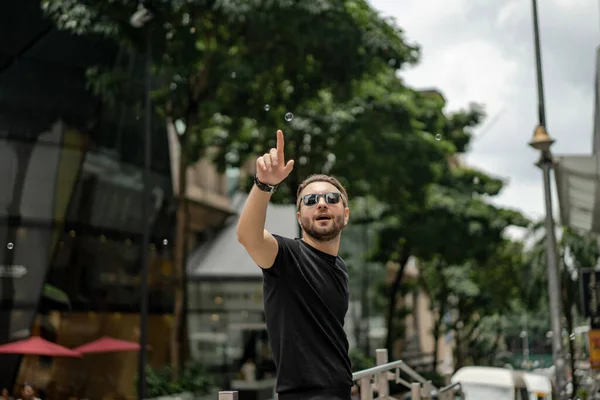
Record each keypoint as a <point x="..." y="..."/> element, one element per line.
<point x="376" y="381"/>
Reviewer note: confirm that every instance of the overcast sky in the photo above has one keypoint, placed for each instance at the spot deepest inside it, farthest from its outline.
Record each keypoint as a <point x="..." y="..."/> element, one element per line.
<point x="482" y="51"/>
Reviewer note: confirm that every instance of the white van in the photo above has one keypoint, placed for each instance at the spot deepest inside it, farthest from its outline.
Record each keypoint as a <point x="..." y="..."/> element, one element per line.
<point x="491" y="383"/>
<point x="539" y="386"/>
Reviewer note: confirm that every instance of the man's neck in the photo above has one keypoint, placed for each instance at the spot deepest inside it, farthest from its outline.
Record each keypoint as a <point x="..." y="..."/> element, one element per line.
<point x="331" y="247"/>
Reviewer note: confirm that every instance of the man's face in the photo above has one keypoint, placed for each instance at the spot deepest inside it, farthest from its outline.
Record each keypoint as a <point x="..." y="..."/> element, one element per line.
<point x="322" y="221"/>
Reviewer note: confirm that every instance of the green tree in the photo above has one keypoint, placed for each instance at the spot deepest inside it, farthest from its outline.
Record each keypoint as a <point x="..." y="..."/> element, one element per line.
<point x="577" y="250"/>
<point x="535" y="323"/>
<point x="405" y="194"/>
<point x="474" y="296"/>
<point x="454" y="225"/>
<point x="496" y="282"/>
<point x="357" y="140"/>
<point x="218" y="63"/>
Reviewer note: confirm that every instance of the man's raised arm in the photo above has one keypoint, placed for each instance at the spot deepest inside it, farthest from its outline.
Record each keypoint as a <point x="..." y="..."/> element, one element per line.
<point x="271" y="170"/>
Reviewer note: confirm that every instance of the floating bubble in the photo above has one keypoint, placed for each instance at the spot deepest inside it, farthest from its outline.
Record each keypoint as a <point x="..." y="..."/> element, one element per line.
<point x="438" y="137"/>
<point x="165" y="242"/>
<point x="267" y="107"/>
<point x="185" y="19"/>
<point x="572" y="336"/>
<point x="192" y="30"/>
<point x="392" y="62"/>
<point x="289" y="116"/>
<point x="233" y="75"/>
<point x="476" y="180"/>
<point x="10" y="246"/>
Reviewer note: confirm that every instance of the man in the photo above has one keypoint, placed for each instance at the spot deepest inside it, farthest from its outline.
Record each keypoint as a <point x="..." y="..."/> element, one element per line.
<point x="5" y="395"/>
<point x="28" y="392"/>
<point x="305" y="282"/>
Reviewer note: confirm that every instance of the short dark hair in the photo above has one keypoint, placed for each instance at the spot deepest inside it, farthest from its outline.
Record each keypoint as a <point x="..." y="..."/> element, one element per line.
<point x="322" y="178"/>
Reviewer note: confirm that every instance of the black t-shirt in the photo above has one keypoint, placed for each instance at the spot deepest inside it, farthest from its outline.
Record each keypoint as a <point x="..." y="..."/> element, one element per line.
<point x="306" y="299"/>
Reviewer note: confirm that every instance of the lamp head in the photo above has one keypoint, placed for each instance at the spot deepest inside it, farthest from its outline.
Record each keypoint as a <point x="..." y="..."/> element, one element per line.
<point x="541" y="140"/>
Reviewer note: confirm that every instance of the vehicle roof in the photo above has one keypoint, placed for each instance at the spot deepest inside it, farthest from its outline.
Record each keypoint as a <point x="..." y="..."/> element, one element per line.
<point x="489" y="376"/>
<point x="537" y="382"/>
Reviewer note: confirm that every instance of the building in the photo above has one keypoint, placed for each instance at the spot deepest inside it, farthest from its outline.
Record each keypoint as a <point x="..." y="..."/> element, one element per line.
<point x="418" y="345"/>
<point x="226" y="315"/>
<point x="577" y="178"/>
<point x="70" y="210"/>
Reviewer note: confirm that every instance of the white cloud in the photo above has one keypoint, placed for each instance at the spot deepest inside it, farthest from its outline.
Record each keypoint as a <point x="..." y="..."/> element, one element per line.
<point x="482" y="51"/>
<point x="481" y="79"/>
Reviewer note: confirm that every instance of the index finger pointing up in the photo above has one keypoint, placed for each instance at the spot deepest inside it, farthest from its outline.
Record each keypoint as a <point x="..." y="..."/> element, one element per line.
<point x="280" y="143"/>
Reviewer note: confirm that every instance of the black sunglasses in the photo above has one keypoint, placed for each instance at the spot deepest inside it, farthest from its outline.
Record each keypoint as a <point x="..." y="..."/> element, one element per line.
<point x="314" y="198"/>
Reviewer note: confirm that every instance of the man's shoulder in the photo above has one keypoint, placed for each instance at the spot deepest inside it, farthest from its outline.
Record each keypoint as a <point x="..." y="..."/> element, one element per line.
<point x="283" y="237"/>
<point x="286" y="241"/>
<point x="288" y="251"/>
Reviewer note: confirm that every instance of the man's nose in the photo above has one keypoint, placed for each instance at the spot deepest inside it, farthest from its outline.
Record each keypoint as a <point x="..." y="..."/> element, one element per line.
<point x="322" y="202"/>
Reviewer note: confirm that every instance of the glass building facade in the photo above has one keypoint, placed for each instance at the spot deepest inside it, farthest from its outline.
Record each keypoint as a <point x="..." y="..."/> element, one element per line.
<point x="70" y="208"/>
<point x="71" y="200"/>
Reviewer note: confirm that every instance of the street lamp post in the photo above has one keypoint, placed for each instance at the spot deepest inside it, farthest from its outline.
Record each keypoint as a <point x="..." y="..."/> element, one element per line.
<point x="138" y="20"/>
<point x="541" y="141"/>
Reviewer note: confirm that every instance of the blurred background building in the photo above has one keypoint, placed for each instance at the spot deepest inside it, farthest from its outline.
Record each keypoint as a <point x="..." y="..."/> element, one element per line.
<point x="70" y="208"/>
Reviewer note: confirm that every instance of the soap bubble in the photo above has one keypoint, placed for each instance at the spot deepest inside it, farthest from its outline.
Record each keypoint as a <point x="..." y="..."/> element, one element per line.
<point x="289" y="116"/>
<point x="10" y="246"/>
<point x="267" y="107"/>
<point x="438" y="137"/>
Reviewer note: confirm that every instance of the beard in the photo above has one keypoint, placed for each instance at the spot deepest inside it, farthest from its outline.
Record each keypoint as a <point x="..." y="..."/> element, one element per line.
<point x="323" y="233"/>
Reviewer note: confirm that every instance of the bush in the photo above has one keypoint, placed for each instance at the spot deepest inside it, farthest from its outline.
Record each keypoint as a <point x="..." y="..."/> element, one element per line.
<point x="194" y="378"/>
<point x="360" y="360"/>
<point x="583" y="394"/>
<point x="435" y="377"/>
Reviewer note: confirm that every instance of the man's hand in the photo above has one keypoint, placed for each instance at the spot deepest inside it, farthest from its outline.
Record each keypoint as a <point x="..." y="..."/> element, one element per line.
<point x="271" y="167"/>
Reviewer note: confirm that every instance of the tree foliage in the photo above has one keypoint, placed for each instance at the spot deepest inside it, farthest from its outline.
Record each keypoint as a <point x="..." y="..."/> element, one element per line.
<point x="374" y="129"/>
<point x="468" y="299"/>
<point x="448" y="218"/>
<point x="576" y="251"/>
<point x="222" y="61"/>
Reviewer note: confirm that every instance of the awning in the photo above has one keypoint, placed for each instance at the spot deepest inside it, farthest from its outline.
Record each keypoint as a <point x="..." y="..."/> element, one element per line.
<point x="37" y="346"/>
<point x="107" y="344"/>
<point x="577" y="179"/>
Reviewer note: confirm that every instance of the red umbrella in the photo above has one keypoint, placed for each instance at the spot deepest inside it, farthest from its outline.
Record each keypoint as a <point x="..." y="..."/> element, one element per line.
<point x="37" y="346"/>
<point x="107" y="344"/>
